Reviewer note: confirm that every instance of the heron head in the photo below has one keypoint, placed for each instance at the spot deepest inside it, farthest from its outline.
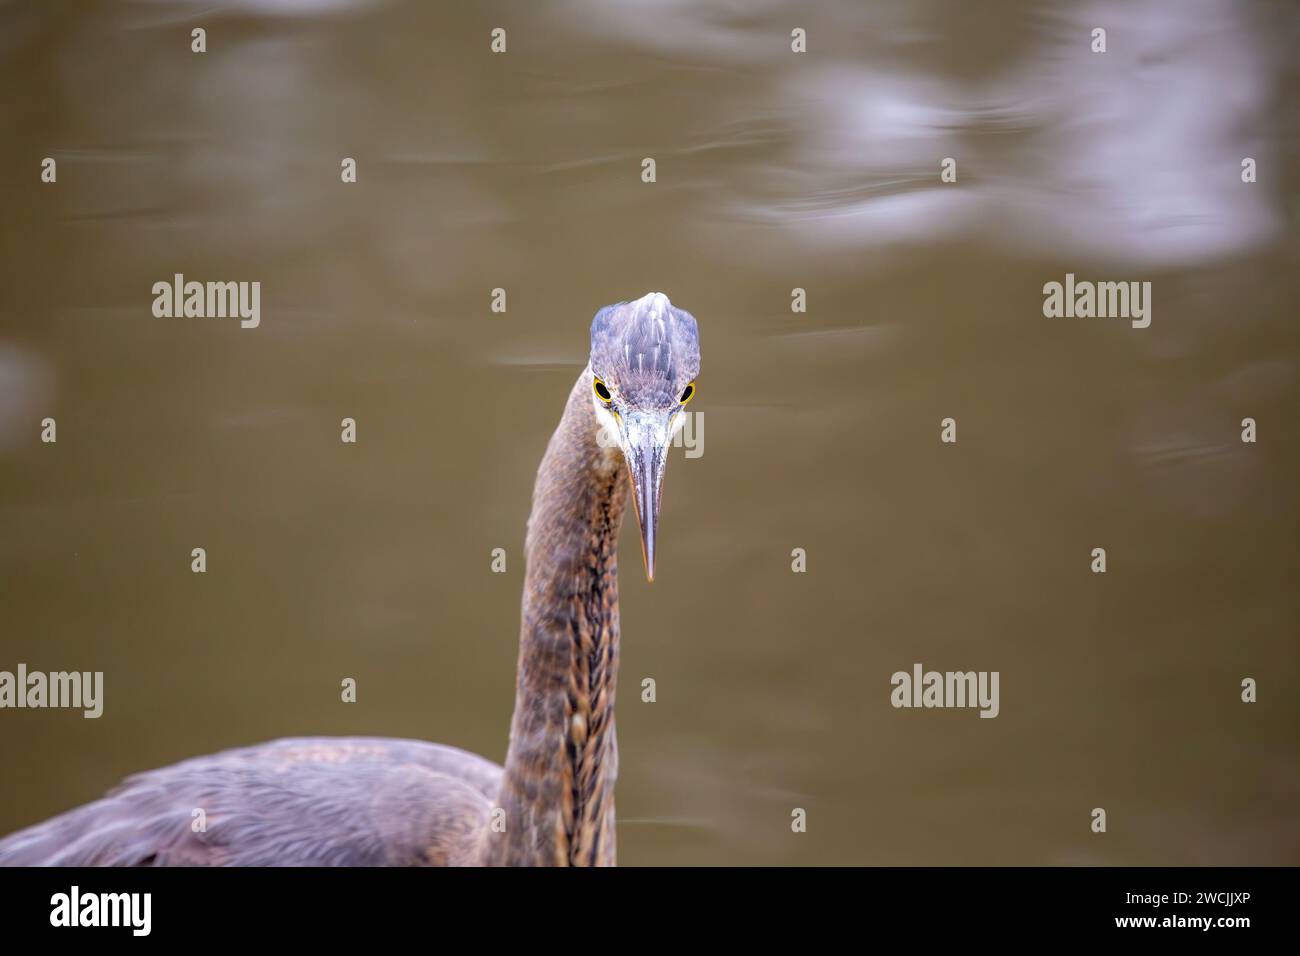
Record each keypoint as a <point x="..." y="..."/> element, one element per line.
<point x="645" y="356"/>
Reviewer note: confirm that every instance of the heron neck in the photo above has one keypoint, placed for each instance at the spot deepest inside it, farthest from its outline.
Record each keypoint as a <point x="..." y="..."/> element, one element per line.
<point x="558" y="787"/>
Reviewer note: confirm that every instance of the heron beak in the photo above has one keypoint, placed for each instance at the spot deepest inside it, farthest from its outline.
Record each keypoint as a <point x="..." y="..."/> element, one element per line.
<point x="646" y="437"/>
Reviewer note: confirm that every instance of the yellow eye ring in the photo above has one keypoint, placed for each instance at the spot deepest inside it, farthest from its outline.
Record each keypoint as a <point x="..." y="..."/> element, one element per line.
<point x="687" y="394"/>
<point x="602" y="392"/>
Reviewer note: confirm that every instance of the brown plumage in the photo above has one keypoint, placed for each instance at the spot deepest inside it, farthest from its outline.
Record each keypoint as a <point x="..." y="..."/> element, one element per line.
<point x="380" y="802"/>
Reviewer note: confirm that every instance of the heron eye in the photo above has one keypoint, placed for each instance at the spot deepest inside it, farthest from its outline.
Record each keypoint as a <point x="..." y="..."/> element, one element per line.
<point x="687" y="394"/>
<point x="601" y="391"/>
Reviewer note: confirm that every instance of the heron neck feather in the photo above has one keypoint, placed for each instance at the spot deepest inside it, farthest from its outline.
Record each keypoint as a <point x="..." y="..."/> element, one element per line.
<point x="558" y="787"/>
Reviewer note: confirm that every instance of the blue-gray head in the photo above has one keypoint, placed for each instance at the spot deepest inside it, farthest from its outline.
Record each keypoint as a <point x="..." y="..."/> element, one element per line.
<point x="645" y="356"/>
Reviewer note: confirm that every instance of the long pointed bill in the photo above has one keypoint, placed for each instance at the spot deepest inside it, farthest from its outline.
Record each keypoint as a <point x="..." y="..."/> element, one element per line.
<point x="645" y="447"/>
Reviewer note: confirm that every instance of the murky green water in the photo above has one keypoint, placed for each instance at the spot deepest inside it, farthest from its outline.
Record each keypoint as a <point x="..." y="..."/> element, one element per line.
<point x="775" y="170"/>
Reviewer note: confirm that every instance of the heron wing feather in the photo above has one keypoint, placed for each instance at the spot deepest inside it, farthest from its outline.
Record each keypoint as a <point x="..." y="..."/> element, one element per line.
<point x="295" y="802"/>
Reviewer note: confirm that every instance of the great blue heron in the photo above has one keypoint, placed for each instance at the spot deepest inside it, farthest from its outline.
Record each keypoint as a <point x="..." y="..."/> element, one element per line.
<point x="374" y="801"/>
